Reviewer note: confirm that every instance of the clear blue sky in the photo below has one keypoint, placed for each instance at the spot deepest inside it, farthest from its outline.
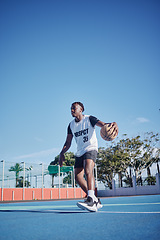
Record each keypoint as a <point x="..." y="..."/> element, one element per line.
<point x="105" y="54"/>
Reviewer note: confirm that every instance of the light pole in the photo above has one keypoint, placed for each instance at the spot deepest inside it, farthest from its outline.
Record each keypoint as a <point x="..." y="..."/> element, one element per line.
<point x="42" y="179"/>
<point x="59" y="180"/>
<point x="2" y="180"/>
<point x="23" y="179"/>
<point x="29" y="176"/>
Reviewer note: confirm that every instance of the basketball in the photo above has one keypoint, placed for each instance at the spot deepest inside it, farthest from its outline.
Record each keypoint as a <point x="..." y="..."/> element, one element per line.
<point x="109" y="131"/>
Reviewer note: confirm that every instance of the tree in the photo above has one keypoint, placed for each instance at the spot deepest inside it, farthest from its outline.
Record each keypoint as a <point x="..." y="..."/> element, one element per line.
<point x="151" y="180"/>
<point x="111" y="161"/>
<point x="20" y="183"/>
<point x="29" y="169"/>
<point x="123" y="157"/>
<point x="69" y="159"/>
<point x="104" y="167"/>
<point x="151" y="150"/>
<point x="128" y="156"/>
<point x="17" y="169"/>
<point x="68" y="178"/>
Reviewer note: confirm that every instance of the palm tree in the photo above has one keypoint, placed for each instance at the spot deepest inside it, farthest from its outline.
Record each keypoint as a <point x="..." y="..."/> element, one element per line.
<point x="29" y="169"/>
<point x="17" y="169"/>
<point x="20" y="183"/>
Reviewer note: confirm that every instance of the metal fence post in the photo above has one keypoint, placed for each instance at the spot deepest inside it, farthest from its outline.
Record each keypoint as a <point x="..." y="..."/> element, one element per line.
<point x="74" y="183"/>
<point x="113" y="187"/>
<point x="23" y="180"/>
<point x="59" y="180"/>
<point x="158" y="182"/>
<point x="134" y="184"/>
<point x="2" y="180"/>
<point x="42" y="180"/>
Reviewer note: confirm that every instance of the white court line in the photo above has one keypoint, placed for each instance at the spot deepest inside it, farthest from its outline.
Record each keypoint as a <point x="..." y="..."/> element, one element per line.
<point x="61" y="207"/>
<point x="129" y="204"/>
<point x="76" y="211"/>
<point x="79" y="211"/>
<point x="35" y="207"/>
<point x="128" y="212"/>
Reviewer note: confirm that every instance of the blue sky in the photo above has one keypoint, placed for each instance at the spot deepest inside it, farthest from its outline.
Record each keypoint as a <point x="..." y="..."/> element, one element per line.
<point x="105" y="54"/>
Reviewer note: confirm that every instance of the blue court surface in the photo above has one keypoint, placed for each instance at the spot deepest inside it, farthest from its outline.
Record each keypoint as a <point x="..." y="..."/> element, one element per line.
<point x="123" y="218"/>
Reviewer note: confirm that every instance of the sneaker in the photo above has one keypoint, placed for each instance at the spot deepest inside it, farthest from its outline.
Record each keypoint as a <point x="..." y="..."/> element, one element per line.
<point x="88" y="204"/>
<point x="99" y="204"/>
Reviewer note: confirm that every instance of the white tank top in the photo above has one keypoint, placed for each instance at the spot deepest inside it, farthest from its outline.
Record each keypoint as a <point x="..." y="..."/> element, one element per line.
<point x="85" y="135"/>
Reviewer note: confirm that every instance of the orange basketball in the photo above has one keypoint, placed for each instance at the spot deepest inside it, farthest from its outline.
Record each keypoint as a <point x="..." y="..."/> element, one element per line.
<point x="109" y="131"/>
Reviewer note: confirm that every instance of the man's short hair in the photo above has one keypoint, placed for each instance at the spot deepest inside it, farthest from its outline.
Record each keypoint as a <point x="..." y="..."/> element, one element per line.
<point x="80" y="104"/>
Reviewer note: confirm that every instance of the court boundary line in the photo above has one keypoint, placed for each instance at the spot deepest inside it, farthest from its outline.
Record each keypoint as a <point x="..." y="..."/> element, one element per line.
<point x="53" y="207"/>
<point x="129" y="204"/>
<point x="120" y="212"/>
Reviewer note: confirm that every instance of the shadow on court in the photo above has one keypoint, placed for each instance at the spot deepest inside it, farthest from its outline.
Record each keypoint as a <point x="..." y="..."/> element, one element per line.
<point x="45" y="211"/>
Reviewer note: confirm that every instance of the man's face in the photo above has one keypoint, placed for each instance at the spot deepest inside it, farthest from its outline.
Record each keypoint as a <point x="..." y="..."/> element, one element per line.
<point x="76" y="110"/>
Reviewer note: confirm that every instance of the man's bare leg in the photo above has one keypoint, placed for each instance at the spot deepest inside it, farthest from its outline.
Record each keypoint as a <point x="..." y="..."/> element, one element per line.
<point x="89" y="167"/>
<point x="79" y="177"/>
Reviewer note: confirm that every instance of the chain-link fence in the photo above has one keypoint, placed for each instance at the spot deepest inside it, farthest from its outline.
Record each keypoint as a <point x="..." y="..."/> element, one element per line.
<point x="140" y="181"/>
<point x="29" y="175"/>
<point x="32" y="175"/>
<point x="26" y="181"/>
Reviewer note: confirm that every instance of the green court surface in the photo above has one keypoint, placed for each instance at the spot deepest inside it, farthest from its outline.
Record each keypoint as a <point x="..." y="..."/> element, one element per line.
<point x="122" y="218"/>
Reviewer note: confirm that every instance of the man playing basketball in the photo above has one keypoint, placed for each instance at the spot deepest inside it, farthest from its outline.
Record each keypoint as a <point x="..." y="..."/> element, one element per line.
<point x="83" y="130"/>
